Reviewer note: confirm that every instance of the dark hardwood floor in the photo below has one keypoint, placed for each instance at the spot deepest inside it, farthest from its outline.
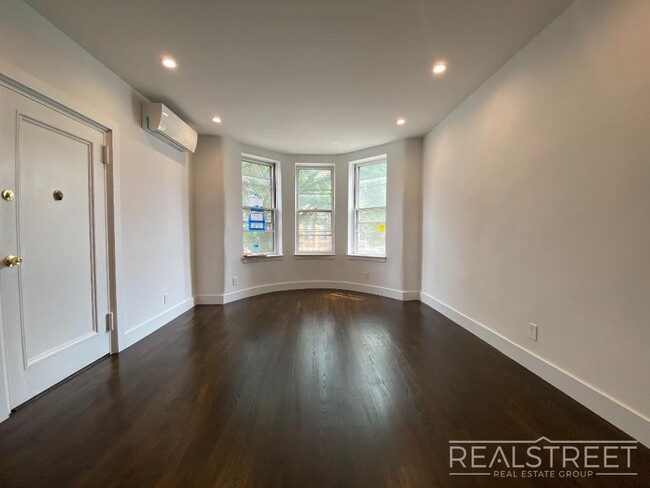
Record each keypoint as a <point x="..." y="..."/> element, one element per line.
<point x="295" y="389"/>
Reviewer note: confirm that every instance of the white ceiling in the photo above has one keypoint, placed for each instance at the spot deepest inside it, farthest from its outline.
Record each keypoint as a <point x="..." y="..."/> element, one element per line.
<point x="305" y="76"/>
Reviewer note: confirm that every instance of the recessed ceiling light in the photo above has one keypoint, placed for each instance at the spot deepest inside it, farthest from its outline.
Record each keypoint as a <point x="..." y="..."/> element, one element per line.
<point x="401" y="121"/>
<point x="168" y="62"/>
<point x="439" y="68"/>
<point x="216" y="120"/>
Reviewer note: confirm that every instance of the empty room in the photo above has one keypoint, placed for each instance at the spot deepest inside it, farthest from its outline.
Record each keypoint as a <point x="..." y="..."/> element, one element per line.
<point x="324" y="243"/>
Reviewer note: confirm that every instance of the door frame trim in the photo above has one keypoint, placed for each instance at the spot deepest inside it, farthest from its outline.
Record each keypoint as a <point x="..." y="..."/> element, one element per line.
<point x="113" y="229"/>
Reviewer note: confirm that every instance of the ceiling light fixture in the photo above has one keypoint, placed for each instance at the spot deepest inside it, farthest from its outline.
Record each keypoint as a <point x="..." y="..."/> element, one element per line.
<point x="168" y="62"/>
<point x="216" y="120"/>
<point x="439" y="68"/>
<point x="401" y="121"/>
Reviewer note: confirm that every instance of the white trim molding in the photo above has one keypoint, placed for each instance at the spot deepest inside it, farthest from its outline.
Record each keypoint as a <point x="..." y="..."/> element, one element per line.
<point x="625" y="418"/>
<point x="209" y="299"/>
<point x="142" y="330"/>
<point x="222" y="299"/>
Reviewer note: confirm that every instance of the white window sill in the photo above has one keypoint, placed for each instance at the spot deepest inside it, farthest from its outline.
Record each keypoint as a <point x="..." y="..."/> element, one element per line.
<point x="362" y="257"/>
<point x="258" y="258"/>
<point x="314" y="256"/>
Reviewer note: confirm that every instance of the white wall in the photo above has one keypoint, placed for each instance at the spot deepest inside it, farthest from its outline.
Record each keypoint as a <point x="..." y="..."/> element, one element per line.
<point x="152" y="179"/>
<point x="537" y="200"/>
<point x="208" y="216"/>
<point x="399" y="274"/>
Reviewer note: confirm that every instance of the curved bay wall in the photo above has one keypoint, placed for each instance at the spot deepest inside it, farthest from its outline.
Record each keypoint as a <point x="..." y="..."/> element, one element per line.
<point x="217" y="228"/>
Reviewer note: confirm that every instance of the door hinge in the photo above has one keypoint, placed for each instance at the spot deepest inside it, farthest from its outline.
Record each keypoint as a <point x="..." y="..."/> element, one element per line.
<point x="105" y="154"/>
<point x="110" y="322"/>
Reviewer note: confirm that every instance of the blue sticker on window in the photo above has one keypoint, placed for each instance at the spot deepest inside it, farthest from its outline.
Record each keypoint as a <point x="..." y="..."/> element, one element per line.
<point x="256" y="220"/>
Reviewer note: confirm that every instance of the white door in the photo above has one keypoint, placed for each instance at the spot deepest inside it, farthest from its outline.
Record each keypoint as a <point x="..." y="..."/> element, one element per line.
<point x="54" y="302"/>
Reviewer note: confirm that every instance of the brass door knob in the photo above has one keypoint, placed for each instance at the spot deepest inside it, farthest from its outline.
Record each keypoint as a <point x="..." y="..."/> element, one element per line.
<point x="11" y="261"/>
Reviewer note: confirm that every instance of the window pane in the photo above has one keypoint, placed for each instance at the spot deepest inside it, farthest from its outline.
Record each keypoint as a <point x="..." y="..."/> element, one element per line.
<point x="314" y="189"/>
<point x="371" y="185"/>
<point x="315" y="202"/>
<point x="370" y="233"/>
<point x="376" y="216"/>
<point x="257" y="180"/>
<point x="259" y="242"/>
<point x="315" y="232"/>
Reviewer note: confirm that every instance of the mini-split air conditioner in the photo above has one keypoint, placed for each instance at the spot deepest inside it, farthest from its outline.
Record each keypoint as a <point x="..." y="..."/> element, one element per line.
<point x="168" y="127"/>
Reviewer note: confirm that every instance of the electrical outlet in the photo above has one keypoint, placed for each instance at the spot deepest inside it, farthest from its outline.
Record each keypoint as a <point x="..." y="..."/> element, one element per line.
<point x="165" y="297"/>
<point x="366" y="275"/>
<point x="532" y="331"/>
<point x="235" y="280"/>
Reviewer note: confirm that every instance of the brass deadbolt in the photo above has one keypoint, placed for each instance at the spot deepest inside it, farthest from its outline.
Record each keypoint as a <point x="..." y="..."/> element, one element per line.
<point x="8" y="195"/>
<point x="58" y="195"/>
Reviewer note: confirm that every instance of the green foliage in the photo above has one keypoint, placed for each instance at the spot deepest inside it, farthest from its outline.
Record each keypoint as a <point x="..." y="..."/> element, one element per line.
<point x="370" y="232"/>
<point x="257" y="179"/>
<point x="314" y="189"/>
<point x="314" y="231"/>
<point x="371" y="189"/>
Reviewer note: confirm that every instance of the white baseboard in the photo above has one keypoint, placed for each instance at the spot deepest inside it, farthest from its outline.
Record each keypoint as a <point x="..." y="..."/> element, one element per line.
<point x="411" y="296"/>
<point x="625" y="418"/>
<point x="305" y="285"/>
<point x="208" y="299"/>
<point x="142" y="330"/>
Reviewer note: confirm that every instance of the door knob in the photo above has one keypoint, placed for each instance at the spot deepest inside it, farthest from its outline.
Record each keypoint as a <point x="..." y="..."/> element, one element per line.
<point x="11" y="261"/>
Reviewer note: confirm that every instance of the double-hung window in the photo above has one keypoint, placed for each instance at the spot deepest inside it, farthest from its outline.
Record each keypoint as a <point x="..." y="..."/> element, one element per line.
<point x="314" y="209"/>
<point x="259" y="206"/>
<point x="368" y="212"/>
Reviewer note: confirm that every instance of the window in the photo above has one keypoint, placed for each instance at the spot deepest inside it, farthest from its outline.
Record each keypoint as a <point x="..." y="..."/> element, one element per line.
<point x="314" y="209"/>
<point x="369" y="207"/>
<point x="259" y="206"/>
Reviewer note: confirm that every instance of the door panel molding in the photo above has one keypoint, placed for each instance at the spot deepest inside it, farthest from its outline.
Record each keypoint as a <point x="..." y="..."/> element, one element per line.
<point x="24" y="117"/>
<point x="60" y="348"/>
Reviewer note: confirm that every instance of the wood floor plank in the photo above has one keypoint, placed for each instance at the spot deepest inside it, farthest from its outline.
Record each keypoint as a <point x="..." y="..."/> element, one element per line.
<point x="306" y="388"/>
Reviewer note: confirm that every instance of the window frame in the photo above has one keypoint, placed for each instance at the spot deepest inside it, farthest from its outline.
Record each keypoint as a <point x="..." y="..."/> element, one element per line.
<point x="325" y="166"/>
<point x="275" y="209"/>
<point x="353" y="209"/>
